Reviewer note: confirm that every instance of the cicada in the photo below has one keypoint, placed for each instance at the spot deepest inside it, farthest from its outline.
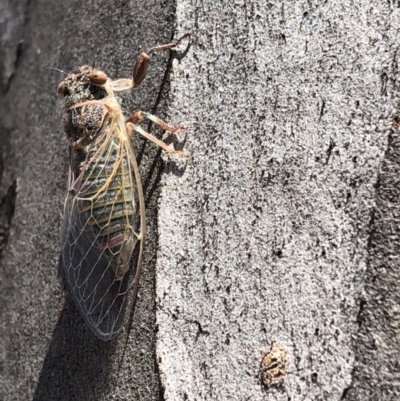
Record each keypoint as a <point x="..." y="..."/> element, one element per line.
<point x="103" y="229"/>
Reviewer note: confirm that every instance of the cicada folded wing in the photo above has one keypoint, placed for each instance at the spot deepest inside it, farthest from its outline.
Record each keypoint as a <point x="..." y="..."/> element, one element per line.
<point x="102" y="235"/>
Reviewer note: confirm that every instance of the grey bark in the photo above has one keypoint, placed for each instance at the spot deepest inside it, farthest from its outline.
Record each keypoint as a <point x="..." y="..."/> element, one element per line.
<point x="283" y="225"/>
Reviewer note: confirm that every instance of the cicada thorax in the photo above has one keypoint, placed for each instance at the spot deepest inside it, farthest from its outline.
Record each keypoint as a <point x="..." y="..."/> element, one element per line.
<point x="83" y="124"/>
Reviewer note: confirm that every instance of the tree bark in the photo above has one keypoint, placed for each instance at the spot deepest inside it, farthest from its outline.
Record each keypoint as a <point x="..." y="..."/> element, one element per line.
<point x="48" y="354"/>
<point x="283" y="225"/>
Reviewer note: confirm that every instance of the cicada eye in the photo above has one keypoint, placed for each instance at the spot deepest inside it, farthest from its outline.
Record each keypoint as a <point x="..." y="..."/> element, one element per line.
<point x="98" y="77"/>
<point x="61" y="89"/>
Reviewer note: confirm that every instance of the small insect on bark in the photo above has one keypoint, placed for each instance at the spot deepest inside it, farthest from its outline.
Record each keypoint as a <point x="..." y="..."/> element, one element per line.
<point x="274" y="365"/>
<point x="103" y="229"/>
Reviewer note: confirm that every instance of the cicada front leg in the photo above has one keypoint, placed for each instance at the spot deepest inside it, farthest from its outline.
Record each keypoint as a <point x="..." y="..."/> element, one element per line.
<point x="139" y="74"/>
<point x="142" y="65"/>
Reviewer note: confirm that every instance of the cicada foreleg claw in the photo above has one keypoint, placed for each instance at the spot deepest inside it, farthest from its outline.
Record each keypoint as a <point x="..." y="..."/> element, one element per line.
<point x="169" y="45"/>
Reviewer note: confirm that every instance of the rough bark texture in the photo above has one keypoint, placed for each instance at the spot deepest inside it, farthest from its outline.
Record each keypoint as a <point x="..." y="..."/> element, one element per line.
<point x="283" y="225"/>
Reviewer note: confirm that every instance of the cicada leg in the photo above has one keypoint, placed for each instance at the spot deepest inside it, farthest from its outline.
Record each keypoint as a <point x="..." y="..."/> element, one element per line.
<point x="139" y="115"/>
<point x="132" y="127"/>
<point x="169" y="45"/>
<point x="142" y="65"/>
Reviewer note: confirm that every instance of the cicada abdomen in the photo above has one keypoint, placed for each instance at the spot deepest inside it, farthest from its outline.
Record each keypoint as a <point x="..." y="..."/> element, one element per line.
<point x="109" y="198"/>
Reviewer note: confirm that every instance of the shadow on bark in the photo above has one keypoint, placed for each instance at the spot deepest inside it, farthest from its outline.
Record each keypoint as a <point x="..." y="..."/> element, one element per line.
<point x="377" y="323"/>
<point x="77" y="363"/>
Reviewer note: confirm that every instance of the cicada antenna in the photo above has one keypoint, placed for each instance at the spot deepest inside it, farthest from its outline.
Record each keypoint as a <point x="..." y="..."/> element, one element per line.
<point x="56" y="69"/>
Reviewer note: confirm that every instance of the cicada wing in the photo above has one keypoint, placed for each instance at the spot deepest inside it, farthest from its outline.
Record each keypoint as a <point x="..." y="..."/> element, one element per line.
<point x="104" y="295"/>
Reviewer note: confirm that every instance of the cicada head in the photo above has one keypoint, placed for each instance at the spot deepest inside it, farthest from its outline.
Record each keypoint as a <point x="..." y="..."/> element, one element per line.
<point x="86" y="83"/>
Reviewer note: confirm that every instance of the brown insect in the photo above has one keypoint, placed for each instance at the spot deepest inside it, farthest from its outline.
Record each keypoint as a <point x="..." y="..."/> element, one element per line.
<point x="274" y="365"/>
<point x="103" y="228"/>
